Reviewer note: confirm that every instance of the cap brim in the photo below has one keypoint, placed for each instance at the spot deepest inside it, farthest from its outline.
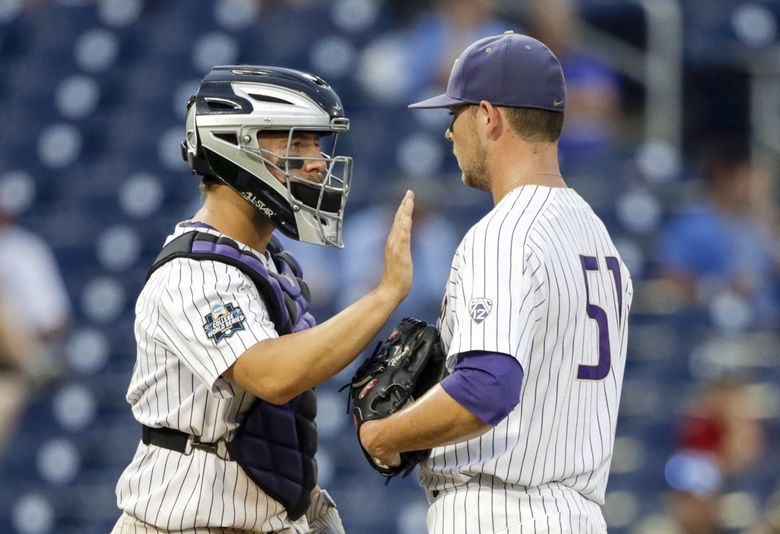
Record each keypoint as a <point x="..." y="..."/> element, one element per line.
<point x="441" y="101"/>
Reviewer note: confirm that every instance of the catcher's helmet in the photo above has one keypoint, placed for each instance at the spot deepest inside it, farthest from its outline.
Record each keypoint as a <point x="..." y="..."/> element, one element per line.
<point x="236" y="102"/>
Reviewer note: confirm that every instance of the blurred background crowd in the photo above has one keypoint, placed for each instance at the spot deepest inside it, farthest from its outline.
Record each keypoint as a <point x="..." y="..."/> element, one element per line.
<point x="672" y="134"/>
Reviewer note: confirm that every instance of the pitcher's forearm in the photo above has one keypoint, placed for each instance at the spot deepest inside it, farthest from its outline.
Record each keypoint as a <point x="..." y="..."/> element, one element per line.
<point x="434" y="420"/>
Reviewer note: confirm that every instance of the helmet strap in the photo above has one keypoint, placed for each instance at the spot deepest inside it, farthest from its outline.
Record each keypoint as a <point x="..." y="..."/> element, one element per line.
<point x="201" y="166"/>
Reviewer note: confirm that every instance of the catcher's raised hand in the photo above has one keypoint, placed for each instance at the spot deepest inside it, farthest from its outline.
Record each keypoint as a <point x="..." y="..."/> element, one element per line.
<point x="397" y="276"/>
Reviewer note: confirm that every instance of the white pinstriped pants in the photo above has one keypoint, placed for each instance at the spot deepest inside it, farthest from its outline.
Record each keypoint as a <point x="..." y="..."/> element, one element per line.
<point x="493" y="507"/>
<point x="130" y="525"/>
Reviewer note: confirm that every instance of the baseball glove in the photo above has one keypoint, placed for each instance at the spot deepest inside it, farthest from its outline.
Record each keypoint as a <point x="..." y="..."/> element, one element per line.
<point x="401" y="369"/>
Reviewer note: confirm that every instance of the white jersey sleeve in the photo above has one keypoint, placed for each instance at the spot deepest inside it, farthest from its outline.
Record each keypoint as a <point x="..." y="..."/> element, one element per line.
<point x="497" y="298"/>
<point x="210" y="314"/>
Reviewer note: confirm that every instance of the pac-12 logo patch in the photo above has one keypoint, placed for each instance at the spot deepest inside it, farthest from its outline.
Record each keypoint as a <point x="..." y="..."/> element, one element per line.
<point x="223" y="321"/>
<point x="480" y="308"/>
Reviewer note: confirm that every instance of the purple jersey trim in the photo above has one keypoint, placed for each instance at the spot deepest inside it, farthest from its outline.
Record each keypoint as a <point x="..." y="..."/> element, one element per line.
<point x="196" y="224"/>
<point x="285" y="282"/>
<point x="485" y="383"/>
<point x="207" y="247"/>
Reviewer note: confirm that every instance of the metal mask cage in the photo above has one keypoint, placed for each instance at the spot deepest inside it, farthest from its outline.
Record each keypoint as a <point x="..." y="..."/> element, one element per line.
<point x="324" y="200"/>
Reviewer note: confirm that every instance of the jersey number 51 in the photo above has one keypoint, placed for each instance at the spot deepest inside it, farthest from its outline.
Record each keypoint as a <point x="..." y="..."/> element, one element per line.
<point x="597" y="313"/>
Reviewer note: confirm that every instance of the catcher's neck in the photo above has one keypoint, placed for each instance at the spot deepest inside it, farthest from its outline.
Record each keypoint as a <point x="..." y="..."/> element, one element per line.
<point x="228" y="212"/>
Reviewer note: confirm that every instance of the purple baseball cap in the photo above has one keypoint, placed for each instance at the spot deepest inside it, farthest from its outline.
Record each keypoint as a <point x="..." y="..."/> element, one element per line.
<point x="506" y="70"/>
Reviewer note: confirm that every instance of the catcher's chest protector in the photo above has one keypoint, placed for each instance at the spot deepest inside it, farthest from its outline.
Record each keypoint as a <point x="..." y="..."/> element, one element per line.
<point x="275" y="445"/>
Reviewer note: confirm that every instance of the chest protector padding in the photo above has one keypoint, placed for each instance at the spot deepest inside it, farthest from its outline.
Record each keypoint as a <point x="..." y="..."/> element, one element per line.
<point x="275" y="444"/>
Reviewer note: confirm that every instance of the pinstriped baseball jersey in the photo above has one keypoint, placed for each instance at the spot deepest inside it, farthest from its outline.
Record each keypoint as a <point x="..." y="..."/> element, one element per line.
<point x="185" y="342"/>
<point x="539" y="278"/>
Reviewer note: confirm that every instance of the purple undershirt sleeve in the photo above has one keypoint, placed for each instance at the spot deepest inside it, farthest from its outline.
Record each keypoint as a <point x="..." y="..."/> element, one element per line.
<point x="485" y="383"/>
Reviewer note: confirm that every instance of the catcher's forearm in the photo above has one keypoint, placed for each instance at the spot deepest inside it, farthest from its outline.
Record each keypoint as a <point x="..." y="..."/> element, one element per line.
<point x="277" y="370"/>
<point x="435" y="419"/>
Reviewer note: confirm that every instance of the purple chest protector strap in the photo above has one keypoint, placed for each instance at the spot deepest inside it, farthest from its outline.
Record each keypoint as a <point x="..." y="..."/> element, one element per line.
<point x="275" y="444"/>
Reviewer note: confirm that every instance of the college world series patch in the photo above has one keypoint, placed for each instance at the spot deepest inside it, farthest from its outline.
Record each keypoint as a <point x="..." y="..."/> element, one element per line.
<point x="223" y="321"/>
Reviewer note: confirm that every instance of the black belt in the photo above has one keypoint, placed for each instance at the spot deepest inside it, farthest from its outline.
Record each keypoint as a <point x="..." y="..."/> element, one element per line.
<point x="174" y="440"/>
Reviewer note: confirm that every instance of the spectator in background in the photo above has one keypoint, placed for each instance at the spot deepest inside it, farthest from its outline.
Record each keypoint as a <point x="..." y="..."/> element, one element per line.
<point x="720" y="439"/>
<point x="723" y="421"/>
<point x="720" y="252"/>
<point x="34" y="315"/>
<point x="17" y="345"/>
<point x="592" y="86"/>
<point x="439" y="36"/>
<point x="31" y="282"/>
<point x="434" y="239"/>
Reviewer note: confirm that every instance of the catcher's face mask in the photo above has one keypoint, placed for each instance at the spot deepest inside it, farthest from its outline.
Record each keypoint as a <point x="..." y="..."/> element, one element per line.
<point x="317" y="181"/>
<point x="301" y="189"/>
